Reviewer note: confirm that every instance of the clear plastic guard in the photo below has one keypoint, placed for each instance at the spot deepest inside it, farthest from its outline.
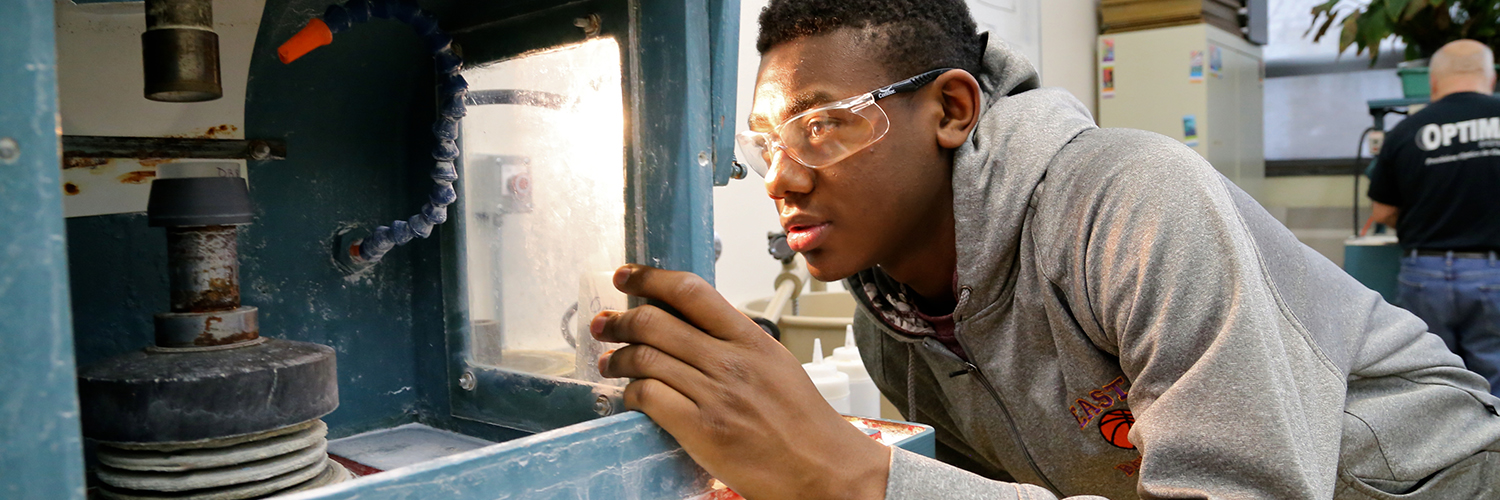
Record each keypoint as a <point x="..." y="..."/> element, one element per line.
<point x="544" y="183"/>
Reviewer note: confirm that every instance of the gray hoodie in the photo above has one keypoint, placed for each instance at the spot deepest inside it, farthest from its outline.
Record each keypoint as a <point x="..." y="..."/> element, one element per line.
<point x="1140" y="327"/>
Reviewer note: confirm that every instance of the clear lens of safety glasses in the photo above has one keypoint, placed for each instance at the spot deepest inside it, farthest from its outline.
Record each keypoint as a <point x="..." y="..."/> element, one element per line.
<point x="755" y="150"/>
<point x="818" y="137"/>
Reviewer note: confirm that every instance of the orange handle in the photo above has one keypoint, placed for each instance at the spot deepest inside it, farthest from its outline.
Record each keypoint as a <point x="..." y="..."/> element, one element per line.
<point x="312" y="36"/>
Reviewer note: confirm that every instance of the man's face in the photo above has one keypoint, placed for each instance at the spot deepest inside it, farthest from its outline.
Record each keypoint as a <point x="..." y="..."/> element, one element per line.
<point x="873" y="207"/>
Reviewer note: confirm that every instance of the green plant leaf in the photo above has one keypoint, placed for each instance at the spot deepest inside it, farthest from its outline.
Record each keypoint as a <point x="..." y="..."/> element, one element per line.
<point x="1350" y="32"/>
<point x="1380" y="28"/>
<point x="1374" y="27"/>
<point x="1321" y="31"/>
<point x="1318" y="12"/>
<point x="1323" y="8"/>
<point x="1393" y="9"/>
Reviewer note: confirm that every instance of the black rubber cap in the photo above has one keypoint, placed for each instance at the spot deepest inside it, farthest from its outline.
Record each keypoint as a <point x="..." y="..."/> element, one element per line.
<point x="154" y="397"/>
<point x="199" y="201"/>
<point x="770" y="328"/>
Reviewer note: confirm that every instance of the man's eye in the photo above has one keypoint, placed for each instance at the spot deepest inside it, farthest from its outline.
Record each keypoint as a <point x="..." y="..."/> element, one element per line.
<point x="820" y="127"/>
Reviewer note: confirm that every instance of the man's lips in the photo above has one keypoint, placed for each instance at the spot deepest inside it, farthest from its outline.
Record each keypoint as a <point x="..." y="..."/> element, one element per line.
<point x="804" y="237"/>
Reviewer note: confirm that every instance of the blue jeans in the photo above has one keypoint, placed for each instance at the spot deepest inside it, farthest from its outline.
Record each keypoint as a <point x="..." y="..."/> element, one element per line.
<point x="1460" y="301"/>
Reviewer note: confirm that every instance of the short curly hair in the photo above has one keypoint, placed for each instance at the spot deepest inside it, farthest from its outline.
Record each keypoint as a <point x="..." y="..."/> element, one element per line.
<point x="915" y="35"/>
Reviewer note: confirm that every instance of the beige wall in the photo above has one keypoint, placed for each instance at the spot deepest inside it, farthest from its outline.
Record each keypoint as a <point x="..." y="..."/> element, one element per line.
<point x="1317" y="209"/>
<point x="742" y="212"/>
<point x="1069" y="28"/>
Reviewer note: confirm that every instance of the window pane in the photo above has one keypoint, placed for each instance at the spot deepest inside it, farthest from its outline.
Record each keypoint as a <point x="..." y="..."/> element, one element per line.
<point x="544" y="181"/>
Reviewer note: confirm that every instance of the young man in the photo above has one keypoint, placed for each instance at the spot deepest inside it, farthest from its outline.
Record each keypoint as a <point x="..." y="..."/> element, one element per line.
<point x="1077" y="311"/>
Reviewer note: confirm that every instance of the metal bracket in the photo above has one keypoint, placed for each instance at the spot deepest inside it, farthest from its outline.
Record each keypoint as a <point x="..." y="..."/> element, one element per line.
<point x="90" y="146"/>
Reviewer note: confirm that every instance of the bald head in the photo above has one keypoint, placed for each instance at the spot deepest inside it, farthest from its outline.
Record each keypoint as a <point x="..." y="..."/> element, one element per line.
<point x="1462" y="66"/>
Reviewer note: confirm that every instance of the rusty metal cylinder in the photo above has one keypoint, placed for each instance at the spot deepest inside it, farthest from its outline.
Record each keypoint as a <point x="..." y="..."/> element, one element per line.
<point x="180" y="51"/>
<point x="204" y="268"/>
<point x="196" y="14"/>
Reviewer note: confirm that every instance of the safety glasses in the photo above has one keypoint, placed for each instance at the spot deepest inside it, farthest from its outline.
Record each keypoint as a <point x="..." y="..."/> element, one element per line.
<point x="827" y="134"/>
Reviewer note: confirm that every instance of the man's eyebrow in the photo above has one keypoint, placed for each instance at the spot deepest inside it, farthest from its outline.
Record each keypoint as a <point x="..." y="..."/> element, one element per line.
<point x="797" y="104"/>
<point x="807" y="100"/>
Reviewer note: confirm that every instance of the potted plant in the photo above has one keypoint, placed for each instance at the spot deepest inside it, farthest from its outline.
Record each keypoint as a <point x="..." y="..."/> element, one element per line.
<point x="1423" y="25"/>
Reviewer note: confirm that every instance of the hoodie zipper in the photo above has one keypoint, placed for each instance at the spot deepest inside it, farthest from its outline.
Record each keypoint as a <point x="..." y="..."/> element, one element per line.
<point x="995" y="395"/>
<point x="1015" y="431"/>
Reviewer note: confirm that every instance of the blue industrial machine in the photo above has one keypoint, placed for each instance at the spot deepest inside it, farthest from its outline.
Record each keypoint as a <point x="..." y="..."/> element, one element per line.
<point x="1375" y="259"/>
<point x="572" y="137"/>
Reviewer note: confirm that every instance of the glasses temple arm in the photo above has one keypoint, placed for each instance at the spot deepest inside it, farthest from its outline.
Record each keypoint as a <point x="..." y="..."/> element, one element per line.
<point x="909" y="84"/>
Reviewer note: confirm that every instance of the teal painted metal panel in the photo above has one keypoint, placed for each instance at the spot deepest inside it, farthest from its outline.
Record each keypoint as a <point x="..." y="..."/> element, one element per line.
<point x="724" y="39"/>
<point x="1375" y="266"/>
<point x="42" y="452"/>
<point x="625" y="456"/>
<point x="674" y="117"/>
<point x="118" y="269"/>
<point x="357" y="119"/>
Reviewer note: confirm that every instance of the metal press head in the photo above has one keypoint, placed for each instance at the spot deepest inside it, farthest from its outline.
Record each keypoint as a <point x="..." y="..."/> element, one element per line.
<point x="180" y="51"/>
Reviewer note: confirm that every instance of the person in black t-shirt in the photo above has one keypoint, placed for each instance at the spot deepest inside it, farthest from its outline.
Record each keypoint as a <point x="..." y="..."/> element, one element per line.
<point x="1437" y="180"/>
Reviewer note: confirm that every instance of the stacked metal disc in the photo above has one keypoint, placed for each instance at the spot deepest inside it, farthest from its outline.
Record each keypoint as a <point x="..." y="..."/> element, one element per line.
<point x="279" y="461"/>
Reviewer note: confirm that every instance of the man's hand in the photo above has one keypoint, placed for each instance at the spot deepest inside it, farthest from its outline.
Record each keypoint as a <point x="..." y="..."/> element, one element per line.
<point x="1385" y="214"/>
<point x="736" y="400"/>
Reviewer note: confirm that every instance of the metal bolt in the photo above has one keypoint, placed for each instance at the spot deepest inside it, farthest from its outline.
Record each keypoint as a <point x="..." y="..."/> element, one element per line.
<point x="590" y="25"/>
<point x="703" y="158"/>
<point x="602" y="406"/>
<point x="467" y="381"/>
<point x="737" y="170"/>
<point x="259" y="150"/>
<point x="9" y="150"/>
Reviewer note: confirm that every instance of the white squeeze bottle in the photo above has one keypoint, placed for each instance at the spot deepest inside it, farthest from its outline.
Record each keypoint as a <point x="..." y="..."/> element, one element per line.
<point x="864" y="398"/>
<point x="832" y="383"/>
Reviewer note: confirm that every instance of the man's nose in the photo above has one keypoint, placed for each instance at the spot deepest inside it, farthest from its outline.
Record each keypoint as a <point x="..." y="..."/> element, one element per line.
<point x="786" y="176"/>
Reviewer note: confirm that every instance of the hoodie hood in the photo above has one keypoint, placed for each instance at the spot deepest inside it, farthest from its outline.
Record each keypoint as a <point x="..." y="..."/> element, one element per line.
<point x="1021" y="128"/>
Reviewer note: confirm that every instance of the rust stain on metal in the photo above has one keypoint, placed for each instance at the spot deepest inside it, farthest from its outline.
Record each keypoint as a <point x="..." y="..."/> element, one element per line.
<point x="76" y="162"/>
<point x="215" y="132"/>
<point x="70" y="188"/>
<point x="207" y="338"/>
<point x="137" y="177"/>
<point x="356" y="468"/>
<point x="204" y="275"/>
<point x="151" y="162"/>
<point x="222" y="294"/>
<point x="239" y="337"/>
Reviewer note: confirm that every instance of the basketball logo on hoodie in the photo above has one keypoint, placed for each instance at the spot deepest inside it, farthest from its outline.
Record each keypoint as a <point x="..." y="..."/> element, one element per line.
<point x="1115" y="426"/>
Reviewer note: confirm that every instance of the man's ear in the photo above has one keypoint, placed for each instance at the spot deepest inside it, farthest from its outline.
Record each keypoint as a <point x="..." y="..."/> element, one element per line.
<point x="960" y="96"/>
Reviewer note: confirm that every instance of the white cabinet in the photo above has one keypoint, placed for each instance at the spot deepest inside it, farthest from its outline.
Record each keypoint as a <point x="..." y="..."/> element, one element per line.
<point x="1197" y="84"/>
